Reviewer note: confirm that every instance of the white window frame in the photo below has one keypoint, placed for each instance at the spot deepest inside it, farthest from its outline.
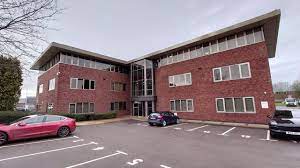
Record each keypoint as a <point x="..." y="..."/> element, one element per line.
<point x="41" y="88"/>
<point x="230" y="77"/>
<point x="51" y="84"/>
<point x="76" y="79"/>
<point x="234" y="111"/>
<point x="186" y="100"/>
<point x="82" y="107"/>
<point x="172" y="77"/>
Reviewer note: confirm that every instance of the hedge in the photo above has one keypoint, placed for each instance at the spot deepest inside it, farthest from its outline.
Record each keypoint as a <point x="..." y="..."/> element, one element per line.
<point x="9" y="116"/>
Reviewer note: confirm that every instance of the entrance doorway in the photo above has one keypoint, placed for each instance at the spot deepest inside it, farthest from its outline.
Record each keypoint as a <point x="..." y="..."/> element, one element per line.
<point x="142" y="108"/>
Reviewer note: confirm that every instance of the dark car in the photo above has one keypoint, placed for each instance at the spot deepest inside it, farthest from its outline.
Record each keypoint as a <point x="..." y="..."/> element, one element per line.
<point x="34" y="126"/>
<point x="285" y="122"/>
<point x="163" y="118"/>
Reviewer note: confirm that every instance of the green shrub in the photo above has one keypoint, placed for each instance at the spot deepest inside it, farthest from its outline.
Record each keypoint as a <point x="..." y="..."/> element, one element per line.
<point x="9" y="116"/>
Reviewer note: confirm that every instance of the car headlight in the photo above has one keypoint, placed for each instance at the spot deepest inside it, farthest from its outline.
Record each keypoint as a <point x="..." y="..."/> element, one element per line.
<point x="272" y="122"/>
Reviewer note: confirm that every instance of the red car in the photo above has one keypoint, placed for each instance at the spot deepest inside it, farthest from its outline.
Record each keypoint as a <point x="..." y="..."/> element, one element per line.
<point x="37" y="126"/>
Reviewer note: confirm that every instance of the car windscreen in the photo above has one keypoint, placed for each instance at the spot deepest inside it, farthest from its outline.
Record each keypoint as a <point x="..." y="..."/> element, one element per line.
<point x="296" y="114"/>
<point x="290" y="100"/>
<point x="283" y="114"/>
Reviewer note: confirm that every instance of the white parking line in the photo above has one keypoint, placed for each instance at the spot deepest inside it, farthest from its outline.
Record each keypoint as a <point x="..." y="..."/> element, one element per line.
<point x="177" y="128"/>
<point x="246" y="136"/>
<point x="164" y="166"/>
<point x="174" y="125"/>
<point x="49" y="151"/>
<point x="225" y="133"/>
<point x="90" y="161"/>
<point x="206" y="132"/>
<point x="79" y="140"/>
<point x="193" y="129"/>
<point x="268" y="137"/>
<point x="37" y="142"/>
<point x="98" y="148"/>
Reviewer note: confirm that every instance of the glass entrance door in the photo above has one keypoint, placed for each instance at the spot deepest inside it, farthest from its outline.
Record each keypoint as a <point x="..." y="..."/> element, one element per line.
<point x="139" y="109"/>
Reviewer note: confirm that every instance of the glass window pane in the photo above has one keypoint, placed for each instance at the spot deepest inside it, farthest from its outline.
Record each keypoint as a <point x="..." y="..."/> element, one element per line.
<point x="245" y="70"/>
<point x="258" y="35"/>
<point x="170" y="59"/>
<point x="177" y="105"/>
<point x="235" y="71"/>
<point x="217" y="74"/>
<point x="193" y="53"/>
<point x="75" y="60"/>
<point x="183" y="105"/>
<point x="93" y="64"/>
<point x="206" y="49"/>
<point x="225" y="73"/>
<point x="81" y="62"/>
<point x="180" y="56"/>
<point x="86" y="84"/>
<point x="175" y="58"/>
<point x="188" y="78"/>
<point x="249" y="104"/>
<point x="68" y="59"/>
<point x="190" y="105"/>
<point x="220" y="105"/>
<point x="176" y="80"/>
<point x="73" y="83"/>
<point x="171" y="81"/>
<point x="222" y="44"/>
<point x="249" y="36"/>
<point x="186" y="54"/>
<point x="239" y="105"/>
<point x="85" y="107"/>
<point x="80" y="84"/>
<point x="181" y="79"/>
<point x="199" y="51"/>
<point x="229" y="105"/>
<point x="241" y="39"/>
<point x="79" y="108"/>
<point x="72" y="108"/>
<point x="92" y="84"/>
<point x="172" y="105"/>
<point x="92" y="107"/>
<point x="231" y="42"/>
<point x="213" y="47"/>
<point x="87" y="63"/>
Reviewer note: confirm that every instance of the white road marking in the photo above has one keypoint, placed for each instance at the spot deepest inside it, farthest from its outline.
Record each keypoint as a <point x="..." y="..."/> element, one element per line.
<point x="268" y="137"/>
<point x="207" y="132"/>
<point x="174" y="125"/>
<point x="37" y="142"/>
<point x="49" y="151"/>
<point x="90" y="161"/>
<point x="294" y="141"/>
<point x="193" y="129"/>
<point x="246" y="136"/>
<point x="177" y="128"/>
<point x="139" y="124"/>
<point x="164" y="166"/>
<point x="98" y="148"/>
<point x="79" y="140"/>
<point x="225" y="133"/>
<point x="145" y="125"/>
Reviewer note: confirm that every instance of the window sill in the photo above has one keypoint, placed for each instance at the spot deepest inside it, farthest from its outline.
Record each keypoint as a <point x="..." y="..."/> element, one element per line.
<point x="223" y="112"/>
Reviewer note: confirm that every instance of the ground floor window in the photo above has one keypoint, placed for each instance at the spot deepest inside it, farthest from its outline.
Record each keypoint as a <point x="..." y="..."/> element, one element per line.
<point x="235" y="104"/>
<point x="116" y="106"/>
<point x="182" y="105"/>
<point x="81" y="107"/>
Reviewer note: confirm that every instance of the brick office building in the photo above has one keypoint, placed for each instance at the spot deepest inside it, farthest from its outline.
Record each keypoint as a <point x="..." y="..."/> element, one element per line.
<point x="220" y="76"/>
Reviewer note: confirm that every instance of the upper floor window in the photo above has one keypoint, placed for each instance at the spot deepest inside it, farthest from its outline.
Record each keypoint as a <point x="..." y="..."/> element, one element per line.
<point x="180" y="80"/>
<point x="117" y="86"/>
<point x="41" y="87"/>
<point x="232" y="72"/>
<point x="77" y="83"/>
<point x="52" y="84"/>
<point x="235" y="104"/>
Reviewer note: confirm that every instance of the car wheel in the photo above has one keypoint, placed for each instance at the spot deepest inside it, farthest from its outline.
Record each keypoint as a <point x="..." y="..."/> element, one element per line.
<point x="63" y="131"/>
<point x="164" y="123"/>
<point x="3" y="138"/>
<point x="177" y="121"/>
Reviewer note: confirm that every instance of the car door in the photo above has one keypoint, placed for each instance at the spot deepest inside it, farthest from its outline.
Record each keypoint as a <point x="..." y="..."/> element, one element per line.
<point x="52" y="123"/>
<point x="167" y="117"/>
<point x="29" y="128"/>
<point x="172" y="117"/>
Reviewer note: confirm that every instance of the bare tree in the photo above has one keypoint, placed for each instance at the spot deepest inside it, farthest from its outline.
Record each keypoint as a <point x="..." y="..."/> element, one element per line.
<point x="296" y="88"/>
<point x="22" y="26"/>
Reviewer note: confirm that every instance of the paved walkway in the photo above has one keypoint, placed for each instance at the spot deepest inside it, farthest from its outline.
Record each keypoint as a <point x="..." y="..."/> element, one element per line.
<point x="96" y="122"/>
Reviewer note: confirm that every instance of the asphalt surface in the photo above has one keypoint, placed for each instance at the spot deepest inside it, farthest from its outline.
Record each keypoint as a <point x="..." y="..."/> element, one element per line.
<point x="135" y="144"/>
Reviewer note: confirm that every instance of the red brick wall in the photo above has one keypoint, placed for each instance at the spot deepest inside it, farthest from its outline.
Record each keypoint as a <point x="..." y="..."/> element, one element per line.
<point x="102" y="96"/>
<point x="204" y="91"/>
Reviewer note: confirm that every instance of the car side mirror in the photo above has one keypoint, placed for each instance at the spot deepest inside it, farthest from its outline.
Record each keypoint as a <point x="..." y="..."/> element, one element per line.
<point x="22" y="124"/>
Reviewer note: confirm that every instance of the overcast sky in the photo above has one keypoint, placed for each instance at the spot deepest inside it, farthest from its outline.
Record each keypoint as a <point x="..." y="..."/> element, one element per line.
<point x="127" y="29"/>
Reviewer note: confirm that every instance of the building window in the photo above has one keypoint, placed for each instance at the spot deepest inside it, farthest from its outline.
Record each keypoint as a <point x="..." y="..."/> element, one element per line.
<point x="41" y="87"/>
<point x="117" y="106"/>
<point x="249" y="36"/>
<point x="79" y="108"/>
<point x="235" y="105"/>
<point x="232" y="72"/>
<point x="182" y="105"/>
<point x="76" y="83"/>
<point x="117" y="86"/>
<point x="52" y="84"/>
<point x="180" y="80"/>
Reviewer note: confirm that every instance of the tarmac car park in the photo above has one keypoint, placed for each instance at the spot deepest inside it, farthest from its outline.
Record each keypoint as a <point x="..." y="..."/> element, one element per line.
<point x="133" y="143"/>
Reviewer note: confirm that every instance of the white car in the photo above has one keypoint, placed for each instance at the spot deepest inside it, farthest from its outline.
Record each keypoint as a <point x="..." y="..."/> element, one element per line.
<point x="291" y="102"/>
